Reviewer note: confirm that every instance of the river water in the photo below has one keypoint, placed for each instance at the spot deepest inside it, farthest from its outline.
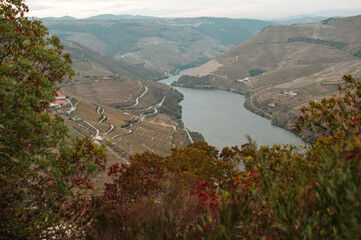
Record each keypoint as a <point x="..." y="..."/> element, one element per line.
<point x="223" y="120"/>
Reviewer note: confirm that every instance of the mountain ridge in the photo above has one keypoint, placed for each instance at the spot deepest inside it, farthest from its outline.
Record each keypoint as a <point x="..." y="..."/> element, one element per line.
<point x="86" y="60"/>
<point x="161" y="45"/>
<point x="283" y="67"/>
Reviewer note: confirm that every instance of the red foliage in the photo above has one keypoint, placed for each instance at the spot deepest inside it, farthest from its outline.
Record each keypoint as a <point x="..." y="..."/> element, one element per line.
<point x="113" y="169"/>
<point x="205" y="196"/>
<point x="131" y="182"/>
<point x="245" y="183"/>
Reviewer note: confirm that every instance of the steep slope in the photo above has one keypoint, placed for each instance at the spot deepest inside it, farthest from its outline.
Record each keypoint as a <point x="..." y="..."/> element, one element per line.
<point x="283" y="67"/>
<point x="134" y="115"/>
<point x="88" y="62"/>
<point x="299" y="19"/>
<point x="161" y="45"/>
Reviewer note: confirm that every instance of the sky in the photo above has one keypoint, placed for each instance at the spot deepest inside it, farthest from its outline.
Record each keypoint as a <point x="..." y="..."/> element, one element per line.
<point x="259" y="9"/>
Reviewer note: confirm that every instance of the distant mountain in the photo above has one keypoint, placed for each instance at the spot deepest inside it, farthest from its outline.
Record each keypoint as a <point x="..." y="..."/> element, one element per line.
<point x="59" y="18"/>
<point x="283" y="67"/>
<point x="299" y="19"/>
<point x="91" y="64"/>
<point x="99" y="17"/>
<point x="119" y="17"/>
<point x="162" y="45"/>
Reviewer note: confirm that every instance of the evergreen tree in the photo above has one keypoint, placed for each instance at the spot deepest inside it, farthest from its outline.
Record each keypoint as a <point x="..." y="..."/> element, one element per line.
<point x="40" y="171"/>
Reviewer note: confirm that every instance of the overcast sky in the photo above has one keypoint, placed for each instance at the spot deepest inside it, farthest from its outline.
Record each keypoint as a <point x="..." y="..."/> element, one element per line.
<point x="261" y="9"/>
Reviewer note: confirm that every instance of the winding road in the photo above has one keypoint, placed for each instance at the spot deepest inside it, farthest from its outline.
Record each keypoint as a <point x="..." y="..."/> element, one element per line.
<point x="267" y="114"/>
<point x="104" y="118"/>
<point x="158" y="105"/>
<point x="137" y="99"/>
<point x="73" y="108"/>
<point x="189" y="135"/>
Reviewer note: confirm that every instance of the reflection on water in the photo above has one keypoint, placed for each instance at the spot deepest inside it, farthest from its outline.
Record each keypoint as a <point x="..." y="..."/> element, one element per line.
<point x="223" y="120"/>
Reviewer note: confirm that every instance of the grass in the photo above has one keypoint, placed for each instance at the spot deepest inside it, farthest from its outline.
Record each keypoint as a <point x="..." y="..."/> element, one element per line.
<point x="116" y="132"/>
<point x="106" y="92"/>
<point x="75" y="133"/>
<point x="151" y="134"/>
<point x="117" y="118"/>
<point x="148" y="135"/>
<point x="86" y="111"/>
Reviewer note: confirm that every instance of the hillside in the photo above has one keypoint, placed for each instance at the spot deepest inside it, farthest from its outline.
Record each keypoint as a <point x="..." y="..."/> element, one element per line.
<point x="56" y="186"/>
<point x="283" y="67"/>
<point x="111" y="102"/>
<point x="161" y="45"/>
<point x="133" y="116"/>
<point x="88" y="63"/>
<point x="299" y="19"/>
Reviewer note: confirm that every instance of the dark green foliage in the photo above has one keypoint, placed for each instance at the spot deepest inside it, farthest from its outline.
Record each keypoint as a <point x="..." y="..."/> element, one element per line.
<point x="40" y="172"/>
<point x="255" y="72"/>
<point x="338" y="45"/>
<point x="170" y="106"/>
<point x="357" y="54"/>
<point x="273" y="192"/>
<point x="193" y="81"/>
<point x="326" y="21"/>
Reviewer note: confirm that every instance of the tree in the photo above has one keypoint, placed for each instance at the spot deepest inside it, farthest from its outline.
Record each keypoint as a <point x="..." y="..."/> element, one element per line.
<point x="159" y="197"/>
<point x="40" y="171"/>
<point x="336" y="115"/>
<point x="308" y="194"/>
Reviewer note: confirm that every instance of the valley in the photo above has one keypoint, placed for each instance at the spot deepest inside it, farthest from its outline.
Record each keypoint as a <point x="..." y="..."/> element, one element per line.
<point x="127" y="113"/>
<point x="113" y="97"/>
<point x="161" y="46"/>
<point x="134" y="127"/>
<point x="278" y="70"/>
<point x="222" y="119"/>
<point x="284" y="67"/>
<point x="110" y="102"/>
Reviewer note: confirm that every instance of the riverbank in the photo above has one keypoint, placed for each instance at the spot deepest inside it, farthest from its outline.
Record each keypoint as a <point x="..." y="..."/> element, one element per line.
<point x="249" y="105"/>
<point x="221" y="117"/>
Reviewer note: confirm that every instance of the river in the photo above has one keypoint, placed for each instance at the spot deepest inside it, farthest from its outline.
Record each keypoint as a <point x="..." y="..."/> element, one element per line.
<point x="223" y="120"/>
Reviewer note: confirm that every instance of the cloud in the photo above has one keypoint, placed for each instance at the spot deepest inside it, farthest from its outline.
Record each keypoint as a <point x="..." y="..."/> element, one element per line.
<point x="40" y="7"/>
<point x="188" y="8"/>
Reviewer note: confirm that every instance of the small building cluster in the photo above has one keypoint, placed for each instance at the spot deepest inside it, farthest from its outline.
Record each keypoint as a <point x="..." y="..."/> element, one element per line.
<point x="60" y="100"/>
<point x="290" y="93"/>
<point x="244" y="80"/>
<point x="273" y="104"/>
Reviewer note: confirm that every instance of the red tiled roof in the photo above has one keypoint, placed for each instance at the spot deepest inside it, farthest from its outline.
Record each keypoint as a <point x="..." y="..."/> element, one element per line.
<point x="59" y="94"/>
<point x="60" y="102"/>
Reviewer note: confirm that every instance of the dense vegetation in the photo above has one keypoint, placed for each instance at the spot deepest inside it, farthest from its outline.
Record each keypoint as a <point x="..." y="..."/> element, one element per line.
<point x="334" y="44"/>
<point x="273" y="192"/>
<point x="41" y="169"/>
<point x="276" y="192"/>
<point x="255" y="72"/>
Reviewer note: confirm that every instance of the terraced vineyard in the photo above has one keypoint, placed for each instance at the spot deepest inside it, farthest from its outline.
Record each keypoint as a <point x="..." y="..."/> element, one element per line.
<point x="284" y="67"/>
<point x="129" y="114"/>
<point x="86" y="112"/>
<point x="114" y="93"/>
<point x="132" y="115"/>
<point x="148" y="136"/>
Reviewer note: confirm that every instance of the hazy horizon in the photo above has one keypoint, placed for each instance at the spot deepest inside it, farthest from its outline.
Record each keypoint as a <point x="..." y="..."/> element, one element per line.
<point x="258" y="9"/>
